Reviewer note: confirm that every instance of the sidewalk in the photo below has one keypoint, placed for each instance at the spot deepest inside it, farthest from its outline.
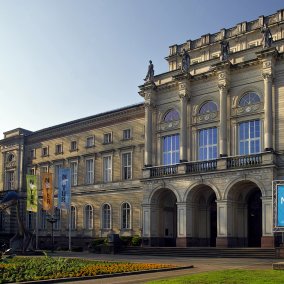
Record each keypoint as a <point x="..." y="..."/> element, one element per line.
<point x="200" y="265"/>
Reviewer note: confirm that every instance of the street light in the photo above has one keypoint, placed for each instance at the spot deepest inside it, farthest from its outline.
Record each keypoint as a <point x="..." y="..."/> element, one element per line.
<point x="52" y="220"/>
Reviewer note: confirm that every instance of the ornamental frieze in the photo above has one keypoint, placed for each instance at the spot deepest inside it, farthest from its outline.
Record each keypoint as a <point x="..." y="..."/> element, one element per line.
<point x="247" y="109"/>
<point x="169" y="125"/>
<point x="205" y="117"/>
<point x="10" y="165"/>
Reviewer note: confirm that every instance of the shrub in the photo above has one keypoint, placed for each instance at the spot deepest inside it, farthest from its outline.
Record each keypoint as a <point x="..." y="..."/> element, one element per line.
<point x="136" y="241"/>
<point x="126" y="241"/>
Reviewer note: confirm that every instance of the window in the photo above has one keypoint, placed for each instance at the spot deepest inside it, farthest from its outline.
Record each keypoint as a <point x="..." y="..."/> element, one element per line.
<point x="126" y="213"/>
<point x="33" y="153"/>
<point x="208" y="144"/>
<point x="126" y="166"/>
<point x="90" y="171"/>
<point x="106" y="216"/>
<point x="88" y="217"/>
<point x="73" y="146"/>
<point x="30" y="220"/>
<point x="90" y="141"/>
<point x="171" y="149"/>
<point x="43" y="218"/>
<point x="58" y="149"/>
<point x="44" y="151"/>
<point x="57" y="216"/>
<point x="249" y="99"/>
<point x="107" y="168"/>
<point x="32" y="171"/>
<point x="208" y="107"/>
<point x="11" y="157"/>
<point x="126" y="134"/>
<point x="73" y="218"/>
<point x="56" y="174"/>
<point x="10" y="180"/>
<point x="171" y="116"/>
<point x="74" y="173"/>
<point x="107" y="138"/>
<point x="249" y="137"/>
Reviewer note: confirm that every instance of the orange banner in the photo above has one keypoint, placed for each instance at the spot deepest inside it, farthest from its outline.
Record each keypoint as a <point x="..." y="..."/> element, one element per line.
<point x="47" y="191"/>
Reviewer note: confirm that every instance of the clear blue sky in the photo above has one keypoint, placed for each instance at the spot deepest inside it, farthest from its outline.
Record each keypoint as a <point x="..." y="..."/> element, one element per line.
<point x="62" y="60"/>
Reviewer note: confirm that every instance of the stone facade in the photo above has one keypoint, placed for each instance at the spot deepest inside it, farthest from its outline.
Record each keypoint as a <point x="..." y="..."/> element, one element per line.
<point x="223" y="200"/>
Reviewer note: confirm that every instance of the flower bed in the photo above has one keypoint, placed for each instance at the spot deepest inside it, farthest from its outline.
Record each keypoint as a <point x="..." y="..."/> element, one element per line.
<point x="40" y="268"/>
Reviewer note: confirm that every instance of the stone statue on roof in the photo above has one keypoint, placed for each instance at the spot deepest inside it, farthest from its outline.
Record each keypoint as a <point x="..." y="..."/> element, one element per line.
<point x="150" y="74"/>
<point x="185" y="61"/>
<point x="225" y="50"/>
<point x="266" y="36"/>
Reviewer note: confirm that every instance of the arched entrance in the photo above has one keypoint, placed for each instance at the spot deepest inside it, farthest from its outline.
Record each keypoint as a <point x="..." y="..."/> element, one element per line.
<point x="164" y="217"/>
<point x="245" y="207"/>
<point x="203" y="216"/>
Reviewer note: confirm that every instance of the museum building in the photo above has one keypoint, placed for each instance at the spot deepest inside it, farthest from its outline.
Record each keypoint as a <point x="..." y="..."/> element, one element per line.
<point x="191" y="166"/>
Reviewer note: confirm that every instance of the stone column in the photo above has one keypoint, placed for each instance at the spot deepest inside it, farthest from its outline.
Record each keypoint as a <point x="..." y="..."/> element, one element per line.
<point x="268" y="57"/>
<point x="183" y="91"/>
<point x="181" y="225"/>
<point x="223" y="120"/>
<point x="183" y="128"/>
<point x="267" y="239"/>
<point x="148" y="92"/>
<point x="148" y="134"/>
<point x="268" y="118"/>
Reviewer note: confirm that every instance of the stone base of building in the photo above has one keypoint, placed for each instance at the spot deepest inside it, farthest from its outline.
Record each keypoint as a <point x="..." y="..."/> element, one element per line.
<point x="267" y="242"/>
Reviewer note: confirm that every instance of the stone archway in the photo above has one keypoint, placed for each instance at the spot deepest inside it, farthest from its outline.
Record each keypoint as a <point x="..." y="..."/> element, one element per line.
<point x="202" y="216"/>
<point x="162" y="219"/>
<point x="245" y="210"/>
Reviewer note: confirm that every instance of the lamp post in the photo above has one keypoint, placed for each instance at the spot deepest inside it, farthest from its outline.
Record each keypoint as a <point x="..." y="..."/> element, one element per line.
<point x="52" y="220"/>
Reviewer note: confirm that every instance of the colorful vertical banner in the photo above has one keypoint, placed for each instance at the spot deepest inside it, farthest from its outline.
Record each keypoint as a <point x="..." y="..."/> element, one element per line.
<point x="280" y="205"/>
<point x="47" y="192"/>
<point x="64" y="188"/>
<point x="31" y="193"/>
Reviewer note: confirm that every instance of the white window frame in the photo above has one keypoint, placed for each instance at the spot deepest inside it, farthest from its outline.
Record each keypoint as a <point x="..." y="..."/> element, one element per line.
<point x="126" y="134"/>
<point x="89" y="174"/>
<point x="88" y="218"/>
<point x="88" y="139"/>
<point x="43" y="149"/>
<point x="107" y="138"/>
<point x="207" y="145"/>
<point x="58" y="149"/>
<point x="73" y="145"/>
<point x="129" y="216"/>
<point x="57" y="167"/>
<point x="106" y="217"/>
<point x="74" y="173"/>
<point x="127" y="167"/>
<point x="107" y="168"/>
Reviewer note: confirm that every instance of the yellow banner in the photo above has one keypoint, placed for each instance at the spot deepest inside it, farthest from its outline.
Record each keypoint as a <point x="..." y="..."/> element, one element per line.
<point x="47" y="191"/>
<point x="31" y="193"/>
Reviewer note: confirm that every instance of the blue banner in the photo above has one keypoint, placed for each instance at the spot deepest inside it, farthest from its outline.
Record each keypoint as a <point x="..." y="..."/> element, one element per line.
<point x="64" y="188"/>
<point x="280" y="205"/>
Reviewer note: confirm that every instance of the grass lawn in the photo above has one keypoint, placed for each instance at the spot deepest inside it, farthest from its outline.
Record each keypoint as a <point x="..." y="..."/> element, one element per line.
<point x="40" y="268"/>
<point x="232" y="276"/>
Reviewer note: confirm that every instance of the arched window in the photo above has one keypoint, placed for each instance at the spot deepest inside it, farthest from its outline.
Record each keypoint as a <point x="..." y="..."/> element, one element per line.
<point x="57" y="216"/>
<point x="249" y="98"/>
<point x="126" y="216"/>
<point x="10" y="157"/>
<point x="73" y="217"/>
<point x="171" y="115"/>
<point x="208" y="107"/>
<point x="106" y="216"/>
<point x="88" y="217"/>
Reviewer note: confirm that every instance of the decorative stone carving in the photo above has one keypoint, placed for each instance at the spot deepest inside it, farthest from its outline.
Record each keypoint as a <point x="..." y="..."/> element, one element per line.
<point x="170" y="125"/>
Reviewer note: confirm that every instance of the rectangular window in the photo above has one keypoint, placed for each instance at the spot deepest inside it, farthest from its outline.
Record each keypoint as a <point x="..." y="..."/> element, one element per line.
<point x="10" y="181"/>
<point x="207" y="148"/>
<point x="171" y="149"/>
<point x="126" y="166"/>
<point x="107" y="138"/>
<point x="107" y="169"/>
<point x="32" y="171"/>
<point x="90" y="141"/>
<point x="249" y="137"/>
<point x="44" y="151"/>
<point x="58" y="149"/>
<point x="73" y="146"/>
<point x="90" y="171"/>
<point x="126" y="134"/>
<point x="74" y="173"/>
